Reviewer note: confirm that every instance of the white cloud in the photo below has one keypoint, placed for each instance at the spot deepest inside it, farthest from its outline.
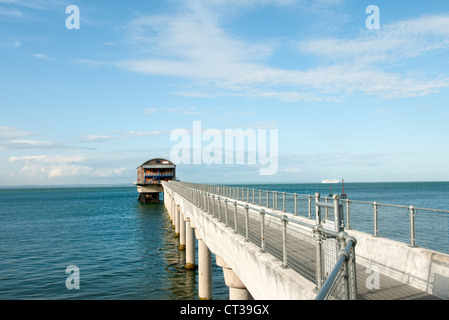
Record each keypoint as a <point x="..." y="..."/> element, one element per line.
<point x="12" y="138"/>
<point x="96" y="137"/>
<point x="135" y="134"/>
<point x="12" y="13"/>
<point x="56" y="159"/>
<point x="27" y="144"/>
<point x="61" y="166"/>
<point x="120" y="135"/>
<point x="192" y="45"/>
<point x="181" y="110"/>
<point x="150" y="110"/>
<point x="404" y="39"/>
<point x="7" y="132"/>
<point x="42" y="56"/>
<point x="184" y="110"/>
<point x="35" y="4"/>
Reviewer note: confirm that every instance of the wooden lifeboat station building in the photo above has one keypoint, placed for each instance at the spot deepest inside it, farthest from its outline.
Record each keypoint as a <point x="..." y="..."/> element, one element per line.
<point x="150" y="176"/>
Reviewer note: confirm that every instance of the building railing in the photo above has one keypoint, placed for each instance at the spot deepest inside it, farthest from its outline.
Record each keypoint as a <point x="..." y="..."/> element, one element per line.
<point x="415" y="226"/>
<point x="321" y="251"/>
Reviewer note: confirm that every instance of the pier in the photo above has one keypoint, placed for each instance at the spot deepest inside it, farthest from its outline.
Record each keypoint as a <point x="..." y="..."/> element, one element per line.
<point x="269" y="250"/>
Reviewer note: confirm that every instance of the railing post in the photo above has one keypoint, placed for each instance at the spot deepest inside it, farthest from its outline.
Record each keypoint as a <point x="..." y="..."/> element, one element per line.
<point x="310" y="206"/>
<point x="412" y="226"/>
<point x="342" y="243"/>
<point x="338" y="214"/>
<point x="219" y="208"/>
<point x="284" y="240"/>
<point x="326" y="210"/>
<point x="235" y="216"/>
<point x="226" y="212"/>
<point x="201" y="196"/>
<point x="262" y="230"/>
<point x="203" y="200"/>
<point x="376" y="219"/>
<point x="283" y="201"/>
<point x="268" y="199"/>
<point x="318" y="237"/>
<point x="353" y="273"/>
<point x="260" y="197"/>
<point x="317" y="209"/>
<point x="246" y="222"/>
<point x="296" y="204"/>
<point x="275" y="200"/>
<point x="348" y="216"/>
<point x="208" y="197"/>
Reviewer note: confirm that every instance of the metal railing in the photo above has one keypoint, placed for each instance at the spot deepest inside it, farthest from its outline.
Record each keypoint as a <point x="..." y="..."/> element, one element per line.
<point x="415" y="226"/>
<point x="322" y="255"/>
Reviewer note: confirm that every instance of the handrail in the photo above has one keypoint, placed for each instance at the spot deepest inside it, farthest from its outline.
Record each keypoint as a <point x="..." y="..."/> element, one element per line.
<point x="344" y="256"/>
<point x="411" y="224"/>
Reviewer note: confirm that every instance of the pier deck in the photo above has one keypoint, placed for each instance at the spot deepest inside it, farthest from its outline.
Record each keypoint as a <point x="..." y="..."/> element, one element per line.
<point x="301" y="258"/>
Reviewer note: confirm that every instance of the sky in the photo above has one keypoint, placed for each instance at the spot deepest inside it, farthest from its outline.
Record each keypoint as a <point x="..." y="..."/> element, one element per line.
<point x="319" y="88"/>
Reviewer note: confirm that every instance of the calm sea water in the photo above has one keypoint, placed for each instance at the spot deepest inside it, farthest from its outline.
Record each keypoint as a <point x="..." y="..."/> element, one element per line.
<point x="124" y="249"/>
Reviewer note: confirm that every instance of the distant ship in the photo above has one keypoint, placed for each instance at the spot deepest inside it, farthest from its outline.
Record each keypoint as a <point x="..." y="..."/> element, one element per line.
<point x="331" y="181"/>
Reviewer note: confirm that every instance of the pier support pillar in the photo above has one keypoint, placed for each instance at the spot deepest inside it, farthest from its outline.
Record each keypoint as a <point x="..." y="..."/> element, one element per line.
<point x="237" y="290"/>
<point x="182" y="232"/>
<point x="190" y="246"/>
<point x="173" y="210"/>
<point x="204" y="271"/>
<point x="177" y="219"/>
<point x="170" y="209"/>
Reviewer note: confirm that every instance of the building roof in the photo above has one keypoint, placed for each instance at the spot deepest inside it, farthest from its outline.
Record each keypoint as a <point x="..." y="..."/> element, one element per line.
<point x="158" y="163"/>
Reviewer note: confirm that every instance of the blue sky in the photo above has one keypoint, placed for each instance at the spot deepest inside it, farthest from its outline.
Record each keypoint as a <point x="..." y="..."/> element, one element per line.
<point x="88" y="105"/>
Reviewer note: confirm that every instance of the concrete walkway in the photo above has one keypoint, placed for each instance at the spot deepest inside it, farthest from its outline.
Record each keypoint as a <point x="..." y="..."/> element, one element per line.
<point x="389" y="289"/>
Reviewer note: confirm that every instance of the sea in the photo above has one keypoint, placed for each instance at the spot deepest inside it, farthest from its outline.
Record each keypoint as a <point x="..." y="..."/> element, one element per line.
<point x="101" y="243"/>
